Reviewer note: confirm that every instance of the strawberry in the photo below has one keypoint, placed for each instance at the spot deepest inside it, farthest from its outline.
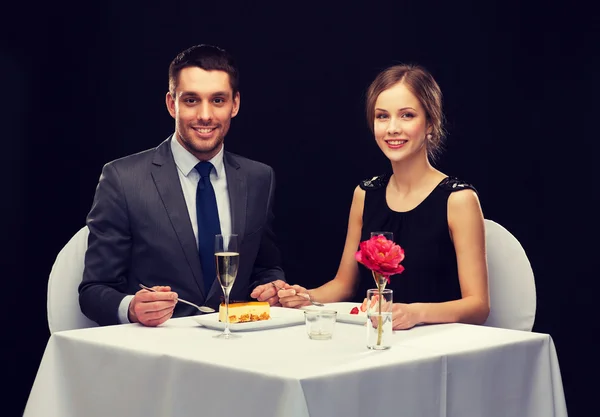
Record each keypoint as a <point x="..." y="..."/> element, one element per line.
<point x="354" y="310"/>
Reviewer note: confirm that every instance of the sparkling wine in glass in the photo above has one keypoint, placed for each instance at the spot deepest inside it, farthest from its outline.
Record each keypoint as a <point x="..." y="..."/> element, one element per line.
<point x="227" y="258"/>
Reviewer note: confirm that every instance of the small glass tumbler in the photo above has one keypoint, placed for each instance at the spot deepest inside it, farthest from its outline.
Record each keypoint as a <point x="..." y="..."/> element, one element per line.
<point x="320" y="323"/>
<point x="379" y="319"/>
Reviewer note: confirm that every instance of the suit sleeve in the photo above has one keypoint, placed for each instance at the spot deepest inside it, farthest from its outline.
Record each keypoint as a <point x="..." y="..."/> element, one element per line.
<point x="267" y="266"/>
<point x="109" y="250"/>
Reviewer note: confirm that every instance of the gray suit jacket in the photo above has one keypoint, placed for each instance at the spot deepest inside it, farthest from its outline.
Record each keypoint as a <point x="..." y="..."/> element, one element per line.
<point x="140" y="232"/>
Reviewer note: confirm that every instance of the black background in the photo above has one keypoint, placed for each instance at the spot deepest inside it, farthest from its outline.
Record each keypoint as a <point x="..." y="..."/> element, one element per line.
<point x="84" y="84"/>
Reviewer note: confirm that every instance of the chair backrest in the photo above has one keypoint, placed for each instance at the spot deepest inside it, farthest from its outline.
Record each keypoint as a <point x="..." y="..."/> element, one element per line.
<point x="511" y="283"/>
<point x="64" y="312"/>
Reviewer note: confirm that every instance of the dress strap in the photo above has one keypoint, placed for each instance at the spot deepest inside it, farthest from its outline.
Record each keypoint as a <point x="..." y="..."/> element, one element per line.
<point x="374" y="183"/>
<point x="454" y="184"/>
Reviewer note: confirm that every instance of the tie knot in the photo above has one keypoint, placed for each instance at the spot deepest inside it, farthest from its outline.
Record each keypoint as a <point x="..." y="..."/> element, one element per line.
<point x="204" y="168"/>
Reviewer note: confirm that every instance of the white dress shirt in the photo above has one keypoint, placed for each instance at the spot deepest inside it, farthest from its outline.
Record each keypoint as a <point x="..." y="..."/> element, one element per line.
<point x="189" y="178"/>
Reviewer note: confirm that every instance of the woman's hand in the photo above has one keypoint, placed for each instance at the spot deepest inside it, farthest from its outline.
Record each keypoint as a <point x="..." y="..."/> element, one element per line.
<point x="289" y="296"/>
<point x="404" y="316"/>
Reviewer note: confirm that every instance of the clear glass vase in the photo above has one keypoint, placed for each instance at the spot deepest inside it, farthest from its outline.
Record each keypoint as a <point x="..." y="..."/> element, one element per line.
<point x="379" y="318"/>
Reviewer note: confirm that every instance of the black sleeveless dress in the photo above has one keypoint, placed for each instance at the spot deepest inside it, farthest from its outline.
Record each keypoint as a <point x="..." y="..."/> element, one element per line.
<point x="430" y="273"/>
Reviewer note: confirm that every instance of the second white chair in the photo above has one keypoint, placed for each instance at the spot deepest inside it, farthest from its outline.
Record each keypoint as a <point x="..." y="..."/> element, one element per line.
<point x="511" y="281"/>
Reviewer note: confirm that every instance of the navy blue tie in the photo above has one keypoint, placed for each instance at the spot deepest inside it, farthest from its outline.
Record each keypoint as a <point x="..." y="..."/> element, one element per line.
<point x="208" y="224"/>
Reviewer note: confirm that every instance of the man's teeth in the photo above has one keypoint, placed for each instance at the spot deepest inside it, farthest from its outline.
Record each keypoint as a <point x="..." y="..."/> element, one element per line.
<point x="205" y="130"/>
<point x="396" y="142"/>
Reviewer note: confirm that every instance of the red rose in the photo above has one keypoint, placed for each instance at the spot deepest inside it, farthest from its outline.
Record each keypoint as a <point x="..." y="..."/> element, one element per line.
<point x="381" y="256"/>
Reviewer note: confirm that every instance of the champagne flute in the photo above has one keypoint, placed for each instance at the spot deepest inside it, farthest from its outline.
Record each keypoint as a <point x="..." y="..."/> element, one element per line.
<point x="227" y="257"/>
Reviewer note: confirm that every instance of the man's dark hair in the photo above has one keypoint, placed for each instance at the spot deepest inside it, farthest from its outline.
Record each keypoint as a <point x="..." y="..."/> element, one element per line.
<point x="207" y="57"/>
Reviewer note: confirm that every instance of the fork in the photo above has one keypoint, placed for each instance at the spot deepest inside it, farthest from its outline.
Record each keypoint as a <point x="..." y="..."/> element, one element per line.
<point x="303" y="295"/>
<point x="203" y="309"/>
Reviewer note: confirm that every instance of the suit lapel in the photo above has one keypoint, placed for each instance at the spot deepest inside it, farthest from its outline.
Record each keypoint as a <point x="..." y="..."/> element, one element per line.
<point x="166" y="179"/>
<point x="237" y="190"/>
<point x="238" y="195"/>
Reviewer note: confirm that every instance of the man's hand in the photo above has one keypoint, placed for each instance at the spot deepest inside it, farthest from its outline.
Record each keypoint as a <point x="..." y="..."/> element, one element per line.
<point x="152" y="308"/>
<point x="268" y="292"/>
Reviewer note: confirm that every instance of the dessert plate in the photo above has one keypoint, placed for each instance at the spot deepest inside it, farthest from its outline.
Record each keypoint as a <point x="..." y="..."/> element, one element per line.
<point x="343" y="312"/>
<point x="280" y="317"/>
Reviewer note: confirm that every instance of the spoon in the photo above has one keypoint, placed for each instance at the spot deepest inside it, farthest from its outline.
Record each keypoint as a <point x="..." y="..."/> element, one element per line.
<point x="203" y="309"/>
<point x="303" y="295"/>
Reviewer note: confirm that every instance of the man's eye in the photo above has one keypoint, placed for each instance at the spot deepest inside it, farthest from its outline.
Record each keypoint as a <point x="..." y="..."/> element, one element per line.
<point x="219" y="100"/>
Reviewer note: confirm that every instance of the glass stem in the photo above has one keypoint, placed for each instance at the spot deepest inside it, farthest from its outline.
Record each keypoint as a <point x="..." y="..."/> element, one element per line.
<point x="226" y="331"/>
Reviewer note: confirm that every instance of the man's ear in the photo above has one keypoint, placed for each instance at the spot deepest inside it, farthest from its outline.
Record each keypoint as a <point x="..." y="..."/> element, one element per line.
<point x="170" y="101"/>
<point x="236" y="104"/>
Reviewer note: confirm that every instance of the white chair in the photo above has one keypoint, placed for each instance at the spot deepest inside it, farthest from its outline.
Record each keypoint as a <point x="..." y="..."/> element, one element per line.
<point x="511" y="283"/>
<point x="63" y="297"/>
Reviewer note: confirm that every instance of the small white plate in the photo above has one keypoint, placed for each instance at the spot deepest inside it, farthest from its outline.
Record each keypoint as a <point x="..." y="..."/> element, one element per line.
<point x="280" y="317"/>
<point x="343" y="312"/>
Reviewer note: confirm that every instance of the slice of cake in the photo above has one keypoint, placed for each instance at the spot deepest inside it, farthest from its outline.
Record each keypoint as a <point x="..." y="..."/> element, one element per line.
<point x="245" y="312"/>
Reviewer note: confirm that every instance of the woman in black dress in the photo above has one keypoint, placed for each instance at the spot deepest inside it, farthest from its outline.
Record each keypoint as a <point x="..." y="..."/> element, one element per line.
<point x="435" y="218"/>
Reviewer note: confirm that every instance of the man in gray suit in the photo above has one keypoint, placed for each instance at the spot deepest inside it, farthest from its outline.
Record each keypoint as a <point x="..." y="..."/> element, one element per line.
<point x="146" y="223"/>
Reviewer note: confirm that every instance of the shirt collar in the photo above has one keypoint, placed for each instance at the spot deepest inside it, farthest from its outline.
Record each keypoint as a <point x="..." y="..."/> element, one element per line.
<point x="186" y="162"/>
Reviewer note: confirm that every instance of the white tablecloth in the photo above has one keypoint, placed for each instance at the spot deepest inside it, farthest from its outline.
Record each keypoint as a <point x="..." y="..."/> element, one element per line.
<point x="179" y="369"/>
